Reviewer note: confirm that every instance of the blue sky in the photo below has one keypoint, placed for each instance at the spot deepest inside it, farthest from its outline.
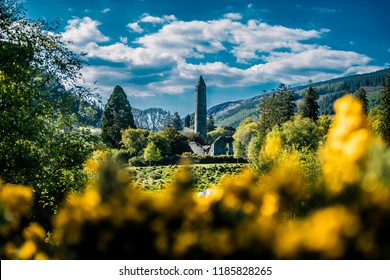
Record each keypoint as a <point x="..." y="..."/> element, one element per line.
<point x="156" y="49"/>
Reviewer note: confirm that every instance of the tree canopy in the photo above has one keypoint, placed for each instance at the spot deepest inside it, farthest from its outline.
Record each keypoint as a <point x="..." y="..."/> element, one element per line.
<point x="276" y="108"/>
<point x="41" y="144"/>
<point x="300" y="133"/>
<point x="152" y="153"/>
<point x="244" y="134"/>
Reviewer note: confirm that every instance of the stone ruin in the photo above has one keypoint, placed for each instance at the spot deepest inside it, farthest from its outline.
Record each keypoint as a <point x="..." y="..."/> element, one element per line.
<point x="221" y="146"/>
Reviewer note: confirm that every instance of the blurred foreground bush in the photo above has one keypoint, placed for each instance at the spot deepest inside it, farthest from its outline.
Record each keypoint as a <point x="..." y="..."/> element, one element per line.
<point x="19" y="239"/>
<point x="343" y="214"/>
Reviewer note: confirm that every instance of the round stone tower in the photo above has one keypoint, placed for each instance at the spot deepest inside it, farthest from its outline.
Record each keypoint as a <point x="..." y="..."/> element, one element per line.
<point x="200" y="108"/>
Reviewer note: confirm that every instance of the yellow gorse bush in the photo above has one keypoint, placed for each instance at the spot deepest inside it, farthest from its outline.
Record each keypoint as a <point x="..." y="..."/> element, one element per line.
<point x="16" y="200"/>
<point x="346" y="150"/>
<point x="272" y="146"/>
<point x="92" y="165"/>
<point x="345" y="213"/>
<point x="19" y="239"/>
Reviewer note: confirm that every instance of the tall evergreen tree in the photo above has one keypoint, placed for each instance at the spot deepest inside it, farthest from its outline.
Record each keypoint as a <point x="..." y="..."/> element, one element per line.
<point x="176" y="122"/>
<point x="309" y="105"/>
<point x="117" y="115"/>
<point x="362" y="96"/>
<point x="385" y="106"/>
<point x="276" y="109"/>
<point x="187" y="121"/>
<point x="210" y="124"/>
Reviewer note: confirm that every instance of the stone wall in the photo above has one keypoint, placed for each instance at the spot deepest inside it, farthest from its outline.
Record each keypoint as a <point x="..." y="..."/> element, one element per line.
<point x="222" y="146"/>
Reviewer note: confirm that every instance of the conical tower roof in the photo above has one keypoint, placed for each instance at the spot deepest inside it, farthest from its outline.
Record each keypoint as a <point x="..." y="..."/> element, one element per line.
<point x="200" y="82"/>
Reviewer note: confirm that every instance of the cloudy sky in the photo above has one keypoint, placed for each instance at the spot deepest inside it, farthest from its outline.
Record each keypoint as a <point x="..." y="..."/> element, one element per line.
<point x="156" y="49"/>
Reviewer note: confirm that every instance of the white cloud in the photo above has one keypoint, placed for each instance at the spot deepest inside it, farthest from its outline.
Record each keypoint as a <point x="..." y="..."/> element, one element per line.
<point x="123" y="40"/>
<point x="103" y="74"/>
<point x="233" y="16"/>
<point x="169" y="18"/>
<point x="82" y="31"/>
<point x="292" y="68"/>
<point x="106" y="78"/>
<point x="134" y="57"/>
<point x="188" y="39"/>
<point x="135" y="27"/>
<point x="151" y="19"/>
<point x="148" y="19"/>
<point x="257" y="37"/>
<point x="166" y="61"/>
<point x="362" y="69"/>
<point x="194" y="38"/>
<point x="106" y="10"/>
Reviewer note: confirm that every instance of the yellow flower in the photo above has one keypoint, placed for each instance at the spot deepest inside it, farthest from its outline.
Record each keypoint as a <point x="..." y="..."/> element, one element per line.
<point x="270" y="204"/>
<point x="286" y="176"/>
<point x="41" y="256"/>
<point x="93" y="164"/>
<point x="288" y="240"/>
<point x="326" y="230"/>
<point x="34" y="232"/>
<point x="27" y="250"/>
<point x="348" y="142"/>
<point x="183" y="241"/>
<point x="90" y="200"/>
<point x="272" y="146"/>
<point x="16" y="198"/>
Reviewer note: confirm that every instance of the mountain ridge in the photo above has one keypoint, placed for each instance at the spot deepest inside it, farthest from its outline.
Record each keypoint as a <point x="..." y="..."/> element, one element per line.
<point x="231" y="113"/>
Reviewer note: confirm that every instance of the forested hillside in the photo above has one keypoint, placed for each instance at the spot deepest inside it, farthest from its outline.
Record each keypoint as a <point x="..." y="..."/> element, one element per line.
<point x="233" y="112"/>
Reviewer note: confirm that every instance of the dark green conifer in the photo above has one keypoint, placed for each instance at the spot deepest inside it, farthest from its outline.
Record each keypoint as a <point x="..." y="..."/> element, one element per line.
<point x="210" y="124"/>
<point x="176" y="122"/>
<point x="309" y="105"/>
<point x="362" y="96"/>
<point x="276" y="109"/>
<point x="117" y="115"/>
<point x="187" y="121"/>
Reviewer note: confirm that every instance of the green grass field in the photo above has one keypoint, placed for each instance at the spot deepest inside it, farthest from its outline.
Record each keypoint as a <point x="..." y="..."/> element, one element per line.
<point x="205" y="175"/>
